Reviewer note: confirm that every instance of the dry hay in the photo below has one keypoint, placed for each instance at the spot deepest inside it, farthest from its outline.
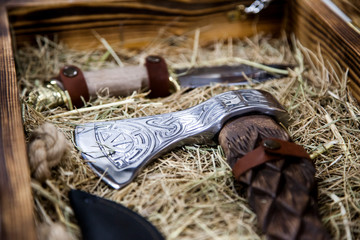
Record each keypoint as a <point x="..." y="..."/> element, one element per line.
<point x="189" y="193"/>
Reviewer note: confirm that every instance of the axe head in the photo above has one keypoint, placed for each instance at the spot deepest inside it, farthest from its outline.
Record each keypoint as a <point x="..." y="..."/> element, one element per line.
<point x="118" y="150"/>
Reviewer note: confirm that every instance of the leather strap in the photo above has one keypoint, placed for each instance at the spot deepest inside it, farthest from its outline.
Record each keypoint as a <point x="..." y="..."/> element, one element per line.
<point x="158" y="74"/>
<point x="74" y="82"/>
<point x="269" y="149"/>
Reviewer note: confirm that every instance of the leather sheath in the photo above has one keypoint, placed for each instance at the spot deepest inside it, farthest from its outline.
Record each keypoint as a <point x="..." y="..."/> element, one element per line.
<point x="102" y="219"/>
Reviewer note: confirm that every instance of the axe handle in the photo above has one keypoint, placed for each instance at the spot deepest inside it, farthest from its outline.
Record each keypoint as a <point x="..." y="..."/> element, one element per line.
<point x="281" y="187"/>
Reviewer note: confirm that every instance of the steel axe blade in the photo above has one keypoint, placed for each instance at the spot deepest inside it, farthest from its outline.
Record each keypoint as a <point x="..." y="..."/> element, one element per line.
<point x="118" y="150"/>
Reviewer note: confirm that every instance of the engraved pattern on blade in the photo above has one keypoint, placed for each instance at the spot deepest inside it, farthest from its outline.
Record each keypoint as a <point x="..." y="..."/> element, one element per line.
<point x="123" y="147"/>
<point x="128" y="141"/>
<point x="123" y="144"/>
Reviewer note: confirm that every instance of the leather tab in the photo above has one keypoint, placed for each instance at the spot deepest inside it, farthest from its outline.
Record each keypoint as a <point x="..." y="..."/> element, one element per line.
<point x="269" y="149"/>
<point x="74" y="82"/>
<point x="158" y="74"/>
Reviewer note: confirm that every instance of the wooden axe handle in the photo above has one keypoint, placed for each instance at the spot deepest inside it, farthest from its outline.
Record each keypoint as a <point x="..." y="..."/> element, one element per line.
<point x="282" y="188"/>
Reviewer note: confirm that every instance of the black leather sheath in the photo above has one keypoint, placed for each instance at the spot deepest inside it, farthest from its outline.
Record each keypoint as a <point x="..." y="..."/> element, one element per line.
<point x="102" y="219"/>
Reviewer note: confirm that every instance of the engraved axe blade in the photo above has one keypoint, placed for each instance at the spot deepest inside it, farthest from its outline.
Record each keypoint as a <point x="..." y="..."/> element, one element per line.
<point x="118" y="150"/>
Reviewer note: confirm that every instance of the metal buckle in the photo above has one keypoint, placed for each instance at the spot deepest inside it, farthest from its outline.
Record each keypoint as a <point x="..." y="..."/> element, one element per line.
<point x="257" y="6"/>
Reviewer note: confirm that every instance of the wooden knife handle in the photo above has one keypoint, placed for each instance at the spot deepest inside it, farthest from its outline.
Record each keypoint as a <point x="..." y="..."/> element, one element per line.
<point x="121" y="81"/>
<point x="278" y="177"/>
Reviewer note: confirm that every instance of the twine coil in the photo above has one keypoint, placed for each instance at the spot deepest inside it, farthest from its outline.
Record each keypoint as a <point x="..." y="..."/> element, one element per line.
<point x="46" y="149"/>
<point x="53" y="231"/>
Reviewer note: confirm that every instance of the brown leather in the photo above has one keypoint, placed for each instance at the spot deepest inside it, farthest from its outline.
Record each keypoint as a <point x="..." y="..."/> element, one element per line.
<point x="263" y="154"/>
<point x="282" y="192"/>
<point x="75" y="85"/>
<point x="158" y="74"/>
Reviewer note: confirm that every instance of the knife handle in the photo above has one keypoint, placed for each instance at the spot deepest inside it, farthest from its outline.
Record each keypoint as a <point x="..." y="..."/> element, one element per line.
<point x="121" y="81"/>
<point x="277" y="176"/>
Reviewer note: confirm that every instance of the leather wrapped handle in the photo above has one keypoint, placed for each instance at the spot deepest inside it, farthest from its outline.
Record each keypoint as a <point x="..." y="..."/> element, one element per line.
<point x="121" y="81"/>
<point x="277" y="175"/>
<point x="125" y="80"/>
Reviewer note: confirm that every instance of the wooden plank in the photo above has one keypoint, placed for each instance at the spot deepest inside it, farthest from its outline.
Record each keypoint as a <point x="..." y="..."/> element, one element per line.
<point x="136" y="23"/>
<point x="129" y="23"/>
<point x="351" y="8"/>
<point x="314" y="24"/>
<point x="16" y="202"/>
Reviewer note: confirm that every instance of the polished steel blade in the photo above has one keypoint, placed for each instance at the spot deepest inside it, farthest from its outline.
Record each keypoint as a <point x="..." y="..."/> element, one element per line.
<point x="225" y="75"/>
<point x="118" y="150"/>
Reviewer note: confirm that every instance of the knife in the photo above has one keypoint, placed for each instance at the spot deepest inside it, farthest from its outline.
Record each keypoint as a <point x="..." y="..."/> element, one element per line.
<point x="74" y="87"/>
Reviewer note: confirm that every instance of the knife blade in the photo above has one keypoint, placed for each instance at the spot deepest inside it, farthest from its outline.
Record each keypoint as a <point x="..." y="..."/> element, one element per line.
<point x="225" y="75"/>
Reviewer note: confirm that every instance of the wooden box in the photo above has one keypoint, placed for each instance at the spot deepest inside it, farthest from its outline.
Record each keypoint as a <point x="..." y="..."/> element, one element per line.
<point x="133" y="24"/>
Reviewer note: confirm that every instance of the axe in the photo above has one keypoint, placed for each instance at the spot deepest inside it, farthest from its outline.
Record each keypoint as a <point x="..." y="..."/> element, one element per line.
<point x="277" y="173"/>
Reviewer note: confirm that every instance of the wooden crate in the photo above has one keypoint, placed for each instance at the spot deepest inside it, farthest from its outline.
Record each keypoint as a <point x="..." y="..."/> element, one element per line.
<point x="133" y="24"/>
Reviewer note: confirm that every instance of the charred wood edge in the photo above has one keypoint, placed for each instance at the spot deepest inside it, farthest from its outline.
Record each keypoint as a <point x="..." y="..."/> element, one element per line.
<point x="16" y="202"/>
<point x="72" y="16"/>
<point x="120" y="21"/>
<point x="351" y="8"/>
<point x="306" y="18"/>
<point x="314" y="25"/>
